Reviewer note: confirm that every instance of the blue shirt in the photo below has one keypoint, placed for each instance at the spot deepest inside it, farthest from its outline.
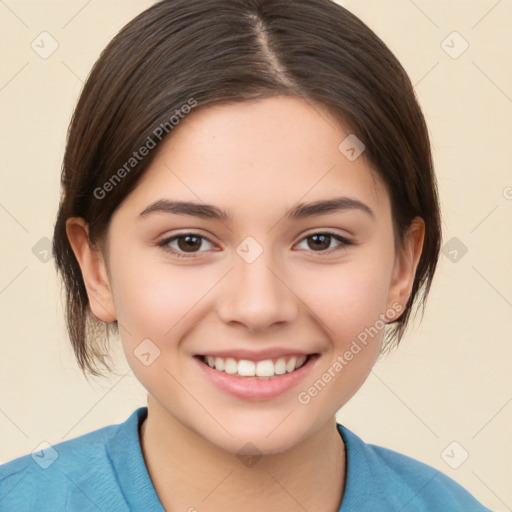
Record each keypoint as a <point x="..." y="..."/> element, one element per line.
<point x="104" y="470"/>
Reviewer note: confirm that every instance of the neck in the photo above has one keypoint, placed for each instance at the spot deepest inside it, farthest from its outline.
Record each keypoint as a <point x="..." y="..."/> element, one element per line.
<point x="309" y="476"/>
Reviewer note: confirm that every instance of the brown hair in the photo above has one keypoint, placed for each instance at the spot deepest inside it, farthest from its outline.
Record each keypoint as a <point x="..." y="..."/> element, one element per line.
<point x="219" y="50"/>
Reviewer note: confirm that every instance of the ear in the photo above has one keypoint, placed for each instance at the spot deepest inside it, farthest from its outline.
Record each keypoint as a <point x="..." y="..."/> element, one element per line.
<point x="406" y="262"/>
<point x="94" y="270"/>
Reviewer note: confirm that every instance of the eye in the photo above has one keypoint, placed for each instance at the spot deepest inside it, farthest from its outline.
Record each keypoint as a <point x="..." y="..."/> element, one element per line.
<point x="322" y="240"/>
<point x="187" y="243"/>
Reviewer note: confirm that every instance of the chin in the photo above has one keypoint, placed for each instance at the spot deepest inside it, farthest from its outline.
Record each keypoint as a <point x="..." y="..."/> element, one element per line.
<point x="257" y="437"/>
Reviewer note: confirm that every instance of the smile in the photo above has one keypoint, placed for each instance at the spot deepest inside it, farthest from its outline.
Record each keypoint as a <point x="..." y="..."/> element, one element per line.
<point x="256" y="378"/>
<point x="247" y="368"/>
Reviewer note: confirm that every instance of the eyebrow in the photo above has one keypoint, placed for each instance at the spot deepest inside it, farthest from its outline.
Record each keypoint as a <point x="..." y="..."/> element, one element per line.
<point x="300" y="211"/>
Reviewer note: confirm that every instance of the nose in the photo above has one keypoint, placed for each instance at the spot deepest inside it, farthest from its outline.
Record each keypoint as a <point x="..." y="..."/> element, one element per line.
<point x="257" y="295"/>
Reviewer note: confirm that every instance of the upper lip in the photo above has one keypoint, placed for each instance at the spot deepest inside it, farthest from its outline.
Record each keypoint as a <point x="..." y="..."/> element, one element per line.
<point x="256" y="355"/>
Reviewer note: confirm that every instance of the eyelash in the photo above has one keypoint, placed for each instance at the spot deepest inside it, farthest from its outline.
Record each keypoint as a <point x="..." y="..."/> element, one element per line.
<point x="164" y="244"/>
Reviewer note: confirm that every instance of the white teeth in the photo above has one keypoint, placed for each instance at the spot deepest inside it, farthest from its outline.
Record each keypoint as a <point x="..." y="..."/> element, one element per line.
<point x="300" y="361"/>
<point x="247" y="368"/>
<point x="290" y="365"/>
<point x="230" y="366"/>
<point x="265" y="368"/>
<point x="280" y="366"/>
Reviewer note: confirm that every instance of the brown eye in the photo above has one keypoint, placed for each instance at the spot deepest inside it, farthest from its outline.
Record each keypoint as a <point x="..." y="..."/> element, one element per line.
<point x="187" y="244"/>
<point x="321" y="241"/>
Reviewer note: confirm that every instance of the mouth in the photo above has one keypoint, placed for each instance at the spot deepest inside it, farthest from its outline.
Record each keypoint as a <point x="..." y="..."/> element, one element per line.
<point x="257" y="376"/>
<point x="259" y="370"/>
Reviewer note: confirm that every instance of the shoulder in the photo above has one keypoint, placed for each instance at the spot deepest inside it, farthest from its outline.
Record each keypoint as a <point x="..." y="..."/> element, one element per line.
<point x="66" y="474"/>
<point x="378" y="475"/>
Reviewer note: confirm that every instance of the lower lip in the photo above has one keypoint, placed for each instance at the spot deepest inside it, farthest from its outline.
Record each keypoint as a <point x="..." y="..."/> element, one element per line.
<point x="253" y="388"/>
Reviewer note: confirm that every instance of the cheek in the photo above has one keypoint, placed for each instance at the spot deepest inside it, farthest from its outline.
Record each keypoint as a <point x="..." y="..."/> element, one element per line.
<point x="152" y="299"/>
<point x="350" y="297"/>
<point x="349" y="309"/>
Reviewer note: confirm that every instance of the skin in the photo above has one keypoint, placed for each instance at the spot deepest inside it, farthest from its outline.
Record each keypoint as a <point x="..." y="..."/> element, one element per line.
<point x="257" y="160"/>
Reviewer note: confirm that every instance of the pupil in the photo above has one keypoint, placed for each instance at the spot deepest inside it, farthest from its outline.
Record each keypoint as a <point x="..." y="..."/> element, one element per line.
<point x="323" y="238"/>
<point x="187" y="244"/>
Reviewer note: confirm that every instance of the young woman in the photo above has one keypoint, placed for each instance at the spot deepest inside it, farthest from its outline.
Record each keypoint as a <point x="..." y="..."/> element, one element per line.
<point x="249" y="201"/>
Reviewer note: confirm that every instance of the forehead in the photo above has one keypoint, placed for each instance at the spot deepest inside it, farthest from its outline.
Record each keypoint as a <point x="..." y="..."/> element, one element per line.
<point x="254" y="156"/>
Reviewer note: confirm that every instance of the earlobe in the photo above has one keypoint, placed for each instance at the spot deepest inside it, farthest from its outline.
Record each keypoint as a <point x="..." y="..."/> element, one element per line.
<point x="406" y="264"/>
<point x="94" y="271"/>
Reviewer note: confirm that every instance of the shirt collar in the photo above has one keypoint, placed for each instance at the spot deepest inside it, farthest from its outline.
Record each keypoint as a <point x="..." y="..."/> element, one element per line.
<point x="125" y="452"/>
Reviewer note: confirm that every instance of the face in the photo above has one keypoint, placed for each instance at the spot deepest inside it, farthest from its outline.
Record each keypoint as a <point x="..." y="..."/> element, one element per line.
<point x="261" y="289"/>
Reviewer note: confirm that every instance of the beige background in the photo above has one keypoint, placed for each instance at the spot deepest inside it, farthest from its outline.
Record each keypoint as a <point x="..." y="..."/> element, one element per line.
<point x="451" y="378"/>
